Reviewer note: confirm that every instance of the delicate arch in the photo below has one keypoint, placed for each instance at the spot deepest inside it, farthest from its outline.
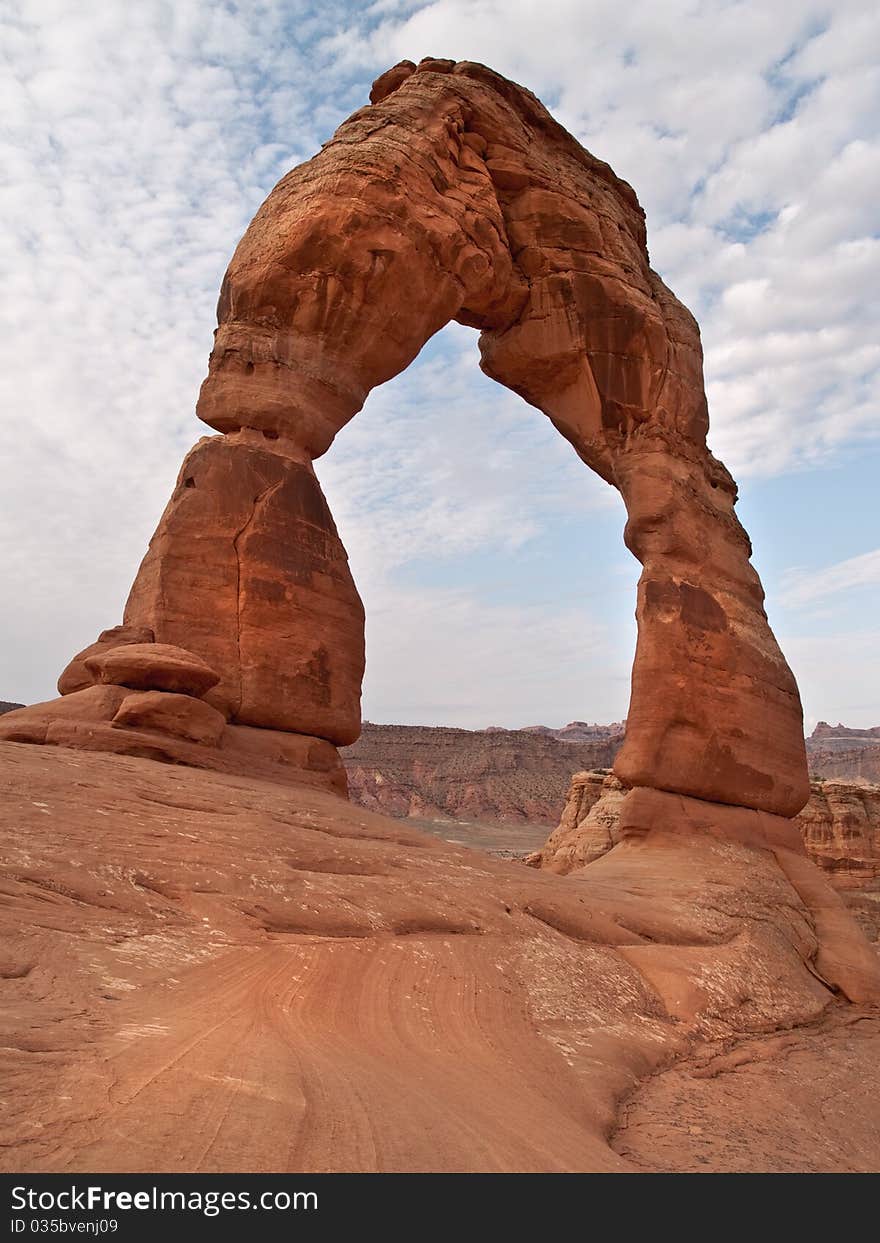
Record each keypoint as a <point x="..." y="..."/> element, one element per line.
<point x="455" y="195"/>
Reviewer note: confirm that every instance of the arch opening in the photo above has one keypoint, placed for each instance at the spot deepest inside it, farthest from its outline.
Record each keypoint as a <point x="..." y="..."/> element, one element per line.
<point x="496" y="587"/>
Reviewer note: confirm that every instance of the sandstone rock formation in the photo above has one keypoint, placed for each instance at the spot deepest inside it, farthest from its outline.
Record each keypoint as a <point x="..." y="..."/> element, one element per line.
<point x="589" y="825"/>
<point x="841" y="831"/>
<point x="212" y="973"/>
<point x="840" y="752"/>
<point x="202" y="973"/>
<point x="455" y="195"/>
<point x="493" y="776"/>
<point x="582" y="731"/>
<point x="152" y="667"/>
<point x="840" y="827"/>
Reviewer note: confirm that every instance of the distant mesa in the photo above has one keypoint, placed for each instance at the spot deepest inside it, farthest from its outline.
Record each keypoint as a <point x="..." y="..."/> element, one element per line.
<point x="575" y="731"/>
<point x="508" y="776"/>
<point x="824" y="730"/>
<point x="493" y="776"/>
<point x="840" y="752"/>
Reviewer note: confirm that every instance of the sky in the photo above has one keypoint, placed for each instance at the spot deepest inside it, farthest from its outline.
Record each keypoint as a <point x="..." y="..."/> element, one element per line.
<point x="139" y="139"/>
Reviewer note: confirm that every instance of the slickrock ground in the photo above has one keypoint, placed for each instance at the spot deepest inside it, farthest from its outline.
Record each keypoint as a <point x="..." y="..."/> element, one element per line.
<point x="703" y="1112"/>
<point x="207" y="972"/>
<point x="485" y="776"/>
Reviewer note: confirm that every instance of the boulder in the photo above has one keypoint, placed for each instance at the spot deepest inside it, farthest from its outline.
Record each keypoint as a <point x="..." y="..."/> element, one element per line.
<point x="76" y="676"/>
<point x="171" y="713"/>
<point x="153" y="666"/>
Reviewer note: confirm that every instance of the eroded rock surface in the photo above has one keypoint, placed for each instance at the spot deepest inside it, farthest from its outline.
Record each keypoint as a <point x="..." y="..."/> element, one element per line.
<point x="486" y="776"/>
<point x="589" y="825"/>
<point x="840" y="752"/>
<point x="203" y="972"/>
<point x="841" y="830"/>
<point x="840" y="827"/>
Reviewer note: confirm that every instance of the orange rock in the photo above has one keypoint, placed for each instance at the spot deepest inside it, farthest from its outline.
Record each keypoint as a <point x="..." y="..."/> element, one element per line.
<point x="170" y="713"/>
<point x="153" y="666"/>
<point x="645" y="811"/>
<point x="190" y="959"/>
<point x="456" y="196"/>
<point x="390" y="80"/>
<point x="844" y="958"/>
<point x="90" y="705"/>
<point x="841" y="829"/>
<point x="247" y="570"/>
<point x="283" y="756"/>
<point x="76" y="676"/>
<point x="509" y="225"/>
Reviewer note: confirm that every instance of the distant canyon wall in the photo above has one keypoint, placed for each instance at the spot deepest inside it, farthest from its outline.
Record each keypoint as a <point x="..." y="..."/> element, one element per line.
<point x="842" y="752"/>
<point x="489" y="776"/>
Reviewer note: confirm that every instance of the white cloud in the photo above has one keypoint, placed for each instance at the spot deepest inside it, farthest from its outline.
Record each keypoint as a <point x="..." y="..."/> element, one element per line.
<point x="750" y="133"/>
<point x="489" y="665"/>
<point x="806" y="587"/>
<point x="443" y="461"/>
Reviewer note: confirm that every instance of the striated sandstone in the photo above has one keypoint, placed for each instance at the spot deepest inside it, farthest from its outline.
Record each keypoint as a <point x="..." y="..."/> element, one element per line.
<point x="88" y="720"/>
<point x="208" y="973"/>
<point x="589" y="826"/>
<point x="837" y="751"/>
<point x="846" y="764"/>
<point x="841" y="830"/>
<point x="490" y="776"/>
<point x="839" y="827"/>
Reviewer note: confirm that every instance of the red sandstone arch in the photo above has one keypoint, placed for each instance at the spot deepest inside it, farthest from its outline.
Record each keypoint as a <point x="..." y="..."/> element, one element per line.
<point x="455" y="195"/>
